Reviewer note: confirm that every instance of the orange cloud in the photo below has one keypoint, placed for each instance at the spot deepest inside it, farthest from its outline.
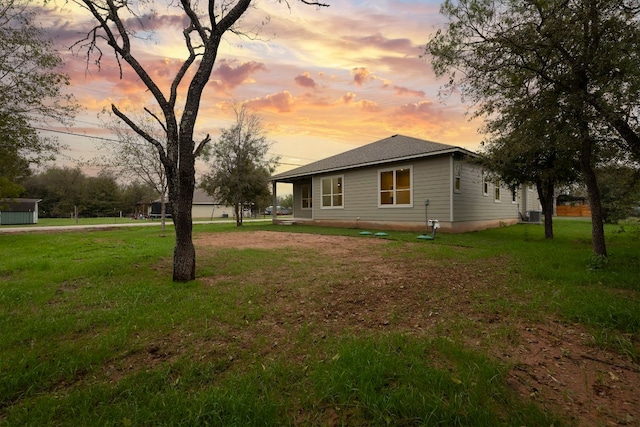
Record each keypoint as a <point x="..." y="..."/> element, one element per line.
<point x="361" y="75"/>
<point x="282" y="102"/>
<point x="348" y="97"/>
<point x="369" y="106"/>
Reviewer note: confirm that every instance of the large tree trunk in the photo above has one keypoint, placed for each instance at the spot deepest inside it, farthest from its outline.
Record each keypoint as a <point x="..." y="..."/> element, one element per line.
<point x="181" y="195"/>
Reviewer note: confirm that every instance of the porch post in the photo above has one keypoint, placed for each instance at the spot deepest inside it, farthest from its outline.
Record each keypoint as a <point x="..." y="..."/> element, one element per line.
<point x="274" y="203"/>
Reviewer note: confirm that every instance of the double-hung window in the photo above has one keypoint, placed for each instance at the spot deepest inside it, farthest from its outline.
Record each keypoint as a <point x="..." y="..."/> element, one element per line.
<point x="395" y="187"/>
<point x="332" y="192"/>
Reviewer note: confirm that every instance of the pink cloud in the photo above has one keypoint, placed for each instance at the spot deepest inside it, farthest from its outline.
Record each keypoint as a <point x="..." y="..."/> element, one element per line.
<point x="305" y="81"/>
<point x="227" y="77"/>
<point x="348" y="97"/>
<point x="282" y="102"/>
<point x="408" y="92"/>
<point x="384" y="43"/>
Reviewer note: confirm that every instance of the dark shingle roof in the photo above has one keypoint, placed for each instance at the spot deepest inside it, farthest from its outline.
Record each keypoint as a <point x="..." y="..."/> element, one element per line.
<point x="393" y="148"/>
<point x="18" y="205"/>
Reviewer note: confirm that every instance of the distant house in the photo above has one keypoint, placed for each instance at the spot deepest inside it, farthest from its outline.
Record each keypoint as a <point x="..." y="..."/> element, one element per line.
<point x="204" y="206"/>
<point x="19" y="211"/>
<point x="398" y="183"/>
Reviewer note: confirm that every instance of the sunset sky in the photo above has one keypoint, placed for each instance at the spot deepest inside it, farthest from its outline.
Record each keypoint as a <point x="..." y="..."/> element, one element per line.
<point x="323" y="80"/>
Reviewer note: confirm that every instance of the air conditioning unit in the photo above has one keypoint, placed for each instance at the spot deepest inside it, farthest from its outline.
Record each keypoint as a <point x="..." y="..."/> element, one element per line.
<point x="535" y="216"/>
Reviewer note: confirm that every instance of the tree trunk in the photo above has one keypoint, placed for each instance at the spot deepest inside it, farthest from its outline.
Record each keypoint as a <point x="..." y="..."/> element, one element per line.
<point x="597" y="223"/>
<point x="545" y="193"/>
<point x="163" y="211"/>
<point x="237" y="207"/>
<point x="181" y="196"/>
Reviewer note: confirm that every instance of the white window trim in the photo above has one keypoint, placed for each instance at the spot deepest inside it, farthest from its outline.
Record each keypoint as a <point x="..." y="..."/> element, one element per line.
<point x="310" y="185"/>
<point x="457" y="175"/>
<point x="322" y="194"/>
<point x="394" y="205"/>
<point x="484" y="185"/>
<point x="497" y="191"/>
<point x="514" y="196"/>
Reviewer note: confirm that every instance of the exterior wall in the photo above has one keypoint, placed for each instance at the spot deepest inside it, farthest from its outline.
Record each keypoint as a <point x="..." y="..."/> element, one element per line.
<point x="471" y="204"/>
<point x="430" y="180"/>
<point x="457" y="210"/>
<point x="15" y="218"/>
<point x="529" y="200"/>
<point x="211" y="211"/>
<point x="298" y="211"/>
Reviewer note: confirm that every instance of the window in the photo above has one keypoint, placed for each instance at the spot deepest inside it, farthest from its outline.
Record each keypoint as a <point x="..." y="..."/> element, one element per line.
<point x="307" y="200"/>
<point x="485" y="184"/>
<point x="332" y="192"/>
<point x="457" y="168"/>
<point x="395" y="187"/>
<point x="496" y="190"/>
<point x="514" y="196"/>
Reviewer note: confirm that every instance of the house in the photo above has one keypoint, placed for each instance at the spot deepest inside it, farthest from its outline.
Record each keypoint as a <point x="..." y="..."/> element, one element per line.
<point x="204" y="206"/>
<point x="19" y="211"/>
<point x="399" y="183"/>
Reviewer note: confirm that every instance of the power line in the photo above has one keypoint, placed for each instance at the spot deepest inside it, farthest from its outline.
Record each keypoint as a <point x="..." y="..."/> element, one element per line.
<point x="117" y="141"/>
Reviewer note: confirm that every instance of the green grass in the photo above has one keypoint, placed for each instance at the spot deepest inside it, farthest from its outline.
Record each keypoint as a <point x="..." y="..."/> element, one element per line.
<point x="95" y="333"/>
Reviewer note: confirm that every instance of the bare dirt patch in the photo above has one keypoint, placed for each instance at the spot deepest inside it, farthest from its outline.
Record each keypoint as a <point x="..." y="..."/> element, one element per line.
<point x="371" y="284"/>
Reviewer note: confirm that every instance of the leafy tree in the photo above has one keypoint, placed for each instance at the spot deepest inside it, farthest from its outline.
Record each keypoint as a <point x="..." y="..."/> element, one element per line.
<point x="586" y="52"/>
<point x="532" y="143"/>
<point x="240" y="169"/>
<point x="62" y="190"/>
<point x="116" y="21"/>
<point x="286" y="201"/>
<point x="31" y="90"/>
<point x="135" y="193"/>
<point x="102" y="196"/>
<point x="620" y="188"/>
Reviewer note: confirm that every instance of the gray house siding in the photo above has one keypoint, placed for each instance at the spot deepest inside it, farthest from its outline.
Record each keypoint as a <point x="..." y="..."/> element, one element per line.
<point x="371" y="178"/>
<point x="430" y="180"/>
<point x="470" y="203"/>
<point x="298" y="211"/>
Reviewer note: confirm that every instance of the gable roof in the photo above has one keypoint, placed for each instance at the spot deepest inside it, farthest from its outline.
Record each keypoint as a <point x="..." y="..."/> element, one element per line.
<point x="392" y="149"/>
<point x="19" y="205"/>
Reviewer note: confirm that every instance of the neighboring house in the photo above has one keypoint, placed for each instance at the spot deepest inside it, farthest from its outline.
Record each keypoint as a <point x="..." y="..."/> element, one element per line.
<point x="386" y="185"/>
<point x="19" y="211"/>
<point x="204" y="206"/>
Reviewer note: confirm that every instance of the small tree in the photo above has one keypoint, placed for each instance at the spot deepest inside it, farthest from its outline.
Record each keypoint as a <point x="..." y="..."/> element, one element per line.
<point x="240" y="169"/>
<point x="136" y="160"/>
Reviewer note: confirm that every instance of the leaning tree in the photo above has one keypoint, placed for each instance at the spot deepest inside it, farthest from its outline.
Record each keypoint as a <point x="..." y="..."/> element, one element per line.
<point x="116" y="22"/>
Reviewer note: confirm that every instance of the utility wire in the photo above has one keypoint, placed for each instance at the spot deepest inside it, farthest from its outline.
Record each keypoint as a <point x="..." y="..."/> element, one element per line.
<point x="139" y="143"/>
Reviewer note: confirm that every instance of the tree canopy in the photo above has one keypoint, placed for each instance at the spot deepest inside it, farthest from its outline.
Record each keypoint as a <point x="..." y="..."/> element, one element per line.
<point x="241" y="168"/>
<point x="31" y="92"/>
<point x="576" y="60"/>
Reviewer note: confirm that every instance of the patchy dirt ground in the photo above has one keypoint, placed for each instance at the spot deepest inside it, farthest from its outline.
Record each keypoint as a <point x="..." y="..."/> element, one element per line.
<point x="383" y="287"/>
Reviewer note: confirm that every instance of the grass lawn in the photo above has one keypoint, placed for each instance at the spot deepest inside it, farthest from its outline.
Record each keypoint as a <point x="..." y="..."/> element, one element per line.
<point x="351" y="331"/>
